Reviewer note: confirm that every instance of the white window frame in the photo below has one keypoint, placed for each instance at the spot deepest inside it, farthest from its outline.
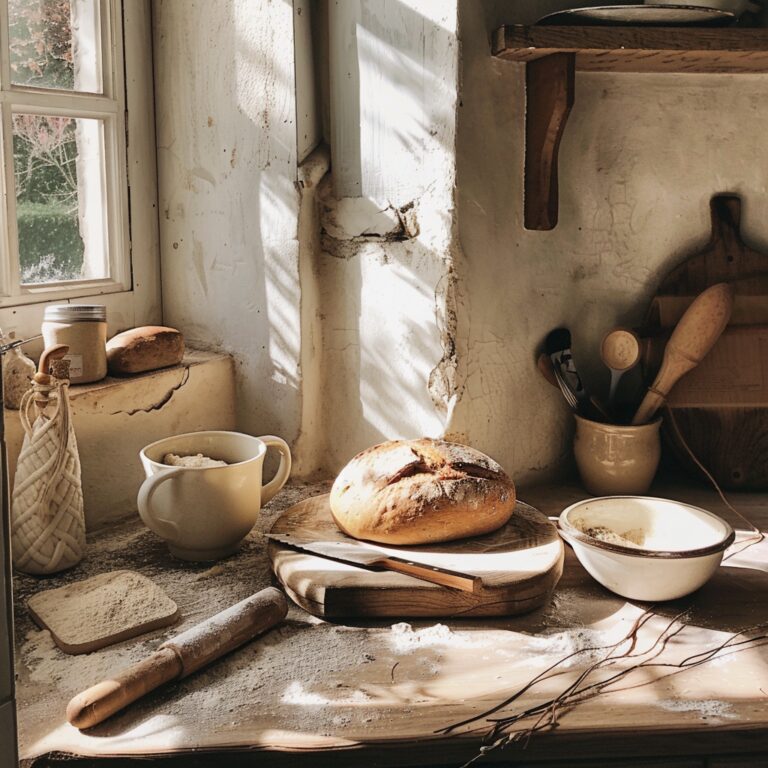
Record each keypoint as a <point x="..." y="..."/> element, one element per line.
<point x="132" y="293"/>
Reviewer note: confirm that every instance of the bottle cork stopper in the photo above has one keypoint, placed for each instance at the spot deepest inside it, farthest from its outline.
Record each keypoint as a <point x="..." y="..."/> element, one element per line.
<point x="50" y="356"/>
<point x="56" y="352"/>
<point x="60" y="368"/>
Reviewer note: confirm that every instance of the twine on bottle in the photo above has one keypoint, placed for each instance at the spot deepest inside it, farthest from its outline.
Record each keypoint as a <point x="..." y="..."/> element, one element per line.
<point x="48" y="523"/>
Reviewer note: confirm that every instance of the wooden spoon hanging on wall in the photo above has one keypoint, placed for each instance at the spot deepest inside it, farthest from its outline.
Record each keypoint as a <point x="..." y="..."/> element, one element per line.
<point x="694" y="335"/>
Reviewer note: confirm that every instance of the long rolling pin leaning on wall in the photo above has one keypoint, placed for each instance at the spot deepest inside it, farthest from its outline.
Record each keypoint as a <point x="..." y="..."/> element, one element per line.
<point x="180" y="656"/>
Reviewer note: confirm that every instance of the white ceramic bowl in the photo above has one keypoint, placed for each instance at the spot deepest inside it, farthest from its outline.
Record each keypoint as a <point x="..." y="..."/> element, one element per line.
<point x="645" y="548"/>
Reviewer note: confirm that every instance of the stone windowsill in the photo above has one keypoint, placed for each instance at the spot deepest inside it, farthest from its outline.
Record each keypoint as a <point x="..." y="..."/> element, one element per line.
<point x="116" y="417"/>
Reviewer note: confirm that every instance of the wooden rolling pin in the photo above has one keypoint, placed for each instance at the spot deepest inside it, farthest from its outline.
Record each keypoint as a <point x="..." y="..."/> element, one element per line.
<point x="180" y="656"/>
<point x="695" y="334"/>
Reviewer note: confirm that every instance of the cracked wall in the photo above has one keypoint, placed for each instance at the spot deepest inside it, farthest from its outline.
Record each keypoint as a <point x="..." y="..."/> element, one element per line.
<point x="163" y="400"/>
<point x="229" y="204"/>
<point x="384" y="270"/>
<point x="115" y="418"/>
<point x="401" y="296"/>
<point x="639" y="160"/>
<point x="337" y="307"/>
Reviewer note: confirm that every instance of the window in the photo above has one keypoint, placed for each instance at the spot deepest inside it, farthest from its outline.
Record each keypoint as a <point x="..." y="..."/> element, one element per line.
<point x="78" y="160"/>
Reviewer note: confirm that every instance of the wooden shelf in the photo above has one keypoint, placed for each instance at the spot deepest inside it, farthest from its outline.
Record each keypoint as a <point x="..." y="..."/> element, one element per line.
<point x="553" y="54"/>
<point x="640" y="49"/>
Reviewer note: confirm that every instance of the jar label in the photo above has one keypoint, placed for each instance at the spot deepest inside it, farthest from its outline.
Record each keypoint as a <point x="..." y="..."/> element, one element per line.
<point x="75" y="366"/>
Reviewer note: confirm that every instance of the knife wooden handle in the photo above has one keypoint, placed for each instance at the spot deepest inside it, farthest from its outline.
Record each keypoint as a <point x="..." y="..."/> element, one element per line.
<point x="179" y="657"/>
<point x="432" y="573"/>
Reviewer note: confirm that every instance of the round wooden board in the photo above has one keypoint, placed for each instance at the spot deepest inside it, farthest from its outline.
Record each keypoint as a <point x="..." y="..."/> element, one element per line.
<point x="727" y="434"/>
<point x="520" y="565"/>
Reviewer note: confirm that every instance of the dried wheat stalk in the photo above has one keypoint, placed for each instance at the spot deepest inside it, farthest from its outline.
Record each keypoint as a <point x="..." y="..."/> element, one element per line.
<point x="502" y="731"/>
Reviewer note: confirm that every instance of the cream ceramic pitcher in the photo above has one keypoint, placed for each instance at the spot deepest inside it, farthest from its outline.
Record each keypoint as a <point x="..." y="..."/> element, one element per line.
<point x="204" y="513"/>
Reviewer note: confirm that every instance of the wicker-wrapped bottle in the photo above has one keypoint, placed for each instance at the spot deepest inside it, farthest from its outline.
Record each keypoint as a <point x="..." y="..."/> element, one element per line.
<point x="47" y="517"/>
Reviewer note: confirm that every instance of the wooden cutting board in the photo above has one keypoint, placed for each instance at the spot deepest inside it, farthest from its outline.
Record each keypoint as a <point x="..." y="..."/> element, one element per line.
<point x="721" y="408"/>
<point x="520" y="565"/>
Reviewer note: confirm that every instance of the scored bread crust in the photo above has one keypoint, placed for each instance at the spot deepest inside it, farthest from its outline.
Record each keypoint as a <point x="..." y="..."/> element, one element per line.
<point x="421" y="492"/>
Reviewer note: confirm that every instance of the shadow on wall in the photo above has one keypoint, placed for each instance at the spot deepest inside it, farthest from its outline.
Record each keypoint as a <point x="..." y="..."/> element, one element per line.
<point x="229" y="205"/>
<point x="392" y="95"/>
<point x="639" y="160"/>
<point x="382" y="295"/>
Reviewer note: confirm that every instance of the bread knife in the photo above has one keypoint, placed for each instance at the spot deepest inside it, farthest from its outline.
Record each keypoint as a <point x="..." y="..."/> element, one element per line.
<point x="353" y="553"/>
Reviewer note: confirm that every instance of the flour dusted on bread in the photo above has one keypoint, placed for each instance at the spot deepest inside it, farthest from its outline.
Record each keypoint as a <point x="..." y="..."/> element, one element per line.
<point x="421" y="491"/>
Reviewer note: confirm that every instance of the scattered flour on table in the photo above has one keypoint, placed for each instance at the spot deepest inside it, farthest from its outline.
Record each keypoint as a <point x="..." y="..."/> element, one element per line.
<point x="47" y="664"/>
<point x="295" y="693"/>
<point x="581" y="645"/>
<point x="705" y="708"/>
<point x="564" y="609"/>
<point x="290" y="674"/>
<point x="404" y="639"/>
<point x="722" y="658"/>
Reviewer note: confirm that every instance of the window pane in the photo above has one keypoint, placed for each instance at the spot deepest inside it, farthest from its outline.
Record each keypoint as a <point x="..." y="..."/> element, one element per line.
<point x="55" y="44"/>
<point x="60" y="198"/>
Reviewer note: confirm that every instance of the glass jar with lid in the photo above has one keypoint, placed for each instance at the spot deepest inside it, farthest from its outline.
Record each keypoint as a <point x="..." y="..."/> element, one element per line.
<point x="83" y="328"/>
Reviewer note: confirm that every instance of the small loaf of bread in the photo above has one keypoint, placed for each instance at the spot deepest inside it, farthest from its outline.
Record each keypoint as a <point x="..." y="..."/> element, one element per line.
<point x="144" y="349"/>
<point x="421" y="492"/>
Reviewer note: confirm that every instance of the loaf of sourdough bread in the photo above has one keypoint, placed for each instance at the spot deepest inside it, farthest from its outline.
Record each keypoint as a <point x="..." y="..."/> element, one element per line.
<point x="144" y="349"/>
<point x="420" y="492"/>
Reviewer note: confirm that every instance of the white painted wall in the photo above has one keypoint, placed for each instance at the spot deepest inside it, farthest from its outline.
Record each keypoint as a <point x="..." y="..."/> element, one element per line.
<point x="339" y="340"/>
<point x="641" y="156"/>
<point x="384" y="270"/>
<point x="382" y="308"/>
<point x="309" y="128"/>
<point x="229" y="206"/>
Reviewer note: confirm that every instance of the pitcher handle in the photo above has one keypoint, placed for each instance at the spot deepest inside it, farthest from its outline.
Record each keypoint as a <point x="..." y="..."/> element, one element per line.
<point x="269" y="490"/>
<point x="164" y="528"/>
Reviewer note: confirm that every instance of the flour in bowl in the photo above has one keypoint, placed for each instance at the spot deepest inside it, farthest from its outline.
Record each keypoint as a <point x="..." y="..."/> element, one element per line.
<point x="634" y="538"/>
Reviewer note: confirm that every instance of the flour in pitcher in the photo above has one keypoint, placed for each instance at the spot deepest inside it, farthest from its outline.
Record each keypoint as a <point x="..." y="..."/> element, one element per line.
<point x="196" y="462"/>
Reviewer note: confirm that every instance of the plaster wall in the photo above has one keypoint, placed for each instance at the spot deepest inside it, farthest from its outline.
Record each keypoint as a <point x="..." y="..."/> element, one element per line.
<point x="639" y="161"/>
<point x="369" y="305"/>
<point x="116" y="417"/>
<point x="384" y="269"/>
<point x="229" y="203"/>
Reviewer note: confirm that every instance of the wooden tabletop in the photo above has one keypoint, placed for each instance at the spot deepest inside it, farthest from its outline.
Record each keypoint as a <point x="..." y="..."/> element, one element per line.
<point x="314" y="693"/>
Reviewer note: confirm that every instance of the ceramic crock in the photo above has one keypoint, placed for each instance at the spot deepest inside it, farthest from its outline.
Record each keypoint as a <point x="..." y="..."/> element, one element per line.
<point x="615" y="460"/>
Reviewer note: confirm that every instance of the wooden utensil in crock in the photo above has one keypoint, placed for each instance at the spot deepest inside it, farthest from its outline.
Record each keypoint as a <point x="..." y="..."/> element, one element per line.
<point x="696" y="333"/>
<point x="620" y="352"/>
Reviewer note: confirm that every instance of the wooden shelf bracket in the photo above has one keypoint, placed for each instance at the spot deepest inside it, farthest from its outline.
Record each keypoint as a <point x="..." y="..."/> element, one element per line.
<point x="549" y="93"/>
<point x="552" y="54"/>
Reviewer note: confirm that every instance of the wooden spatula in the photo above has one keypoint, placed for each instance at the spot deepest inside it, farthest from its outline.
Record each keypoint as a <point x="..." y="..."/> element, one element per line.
<point x="696" y="333"/>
